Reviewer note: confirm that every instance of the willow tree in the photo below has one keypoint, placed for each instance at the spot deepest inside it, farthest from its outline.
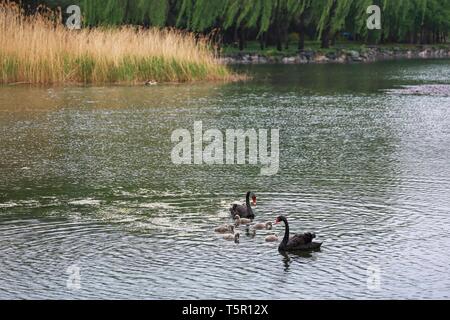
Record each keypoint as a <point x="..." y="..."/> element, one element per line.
<point x="148" y="12"/>
<point x="300" y="11"/>
<point x="258" y="17"/>
<point x="323" y="12"/>
<point x="435" y="21"/>
<point x="200" y="15"/>
<point x="395" y="15"/>
<point x="332" y="16"/>
<point x="356" y="21"/>
<point x="266" y="16"/>
<point x="236" y="15"/>
<point x="239" y="16"/>
<point x="413" y="21"/>
<point x="106" y="12"/>
<point x="117" y="12"/>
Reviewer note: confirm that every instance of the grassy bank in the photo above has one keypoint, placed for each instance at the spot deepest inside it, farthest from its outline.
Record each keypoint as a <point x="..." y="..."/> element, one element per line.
<point x="40" y="50"/>
<point x="341" y="52"/>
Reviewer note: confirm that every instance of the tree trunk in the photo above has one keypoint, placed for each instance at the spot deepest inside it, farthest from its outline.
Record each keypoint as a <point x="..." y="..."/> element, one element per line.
<point x="241" y="39"/>
<point x="279" y="43"/>
<point x="333" y="39"/>
<point x="430" y="37"/>
<point x="326" y="31"/>
<point x="278" y="36"/>
<point x="301" y="29"/>
<point x="235" y="35"/>
<point x="278" y="28"/>
<point x="286" y="37"/>
<point x="262" y="43"/>
<point x="325" y="39"/>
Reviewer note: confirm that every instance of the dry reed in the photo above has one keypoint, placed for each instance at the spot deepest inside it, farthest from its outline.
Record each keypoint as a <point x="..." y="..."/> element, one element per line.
<point x="39" y="49"/>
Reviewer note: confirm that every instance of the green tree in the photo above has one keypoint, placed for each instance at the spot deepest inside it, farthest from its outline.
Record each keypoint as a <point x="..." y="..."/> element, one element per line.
<point x="411" y="21"/>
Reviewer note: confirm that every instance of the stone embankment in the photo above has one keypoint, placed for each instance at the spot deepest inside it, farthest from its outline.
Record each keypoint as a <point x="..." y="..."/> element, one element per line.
<point x="366" y="54"/>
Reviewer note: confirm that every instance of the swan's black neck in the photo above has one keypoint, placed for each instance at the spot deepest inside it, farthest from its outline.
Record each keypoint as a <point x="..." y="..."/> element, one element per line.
<point x="247" y="202"/>
<point x="286" y="231"/>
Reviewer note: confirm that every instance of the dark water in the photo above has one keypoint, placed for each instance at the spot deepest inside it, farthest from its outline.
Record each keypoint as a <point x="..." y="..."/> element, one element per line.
<point x="86" y="180"/>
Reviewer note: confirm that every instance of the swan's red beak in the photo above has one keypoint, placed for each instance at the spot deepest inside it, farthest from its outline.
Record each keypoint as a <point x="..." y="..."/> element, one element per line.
<point x="254" y="201"/>
<point x="277" y="222"/>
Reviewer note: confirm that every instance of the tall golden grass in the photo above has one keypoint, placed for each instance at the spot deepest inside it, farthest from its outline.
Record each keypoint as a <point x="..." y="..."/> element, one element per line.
<point x="39" y="49"/>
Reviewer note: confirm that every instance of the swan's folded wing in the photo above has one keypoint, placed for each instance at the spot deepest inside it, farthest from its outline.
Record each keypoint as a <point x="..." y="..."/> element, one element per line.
<point x="300" y="239"/>
<point x="234" y="208"/>
<point x="241" y="209"/>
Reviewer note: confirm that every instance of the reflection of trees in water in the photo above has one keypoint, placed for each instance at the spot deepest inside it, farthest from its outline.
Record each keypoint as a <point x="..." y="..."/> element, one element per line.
<point x="442" y="90"/>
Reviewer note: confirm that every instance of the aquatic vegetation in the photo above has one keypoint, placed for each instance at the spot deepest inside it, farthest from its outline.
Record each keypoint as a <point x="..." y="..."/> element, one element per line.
<point x="39" y="49"/>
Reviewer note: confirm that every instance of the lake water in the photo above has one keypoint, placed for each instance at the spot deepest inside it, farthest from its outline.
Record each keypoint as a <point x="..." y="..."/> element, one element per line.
<point x="87" y="184"/>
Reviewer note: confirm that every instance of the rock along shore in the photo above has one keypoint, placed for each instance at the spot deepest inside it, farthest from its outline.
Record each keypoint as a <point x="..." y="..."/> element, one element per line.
<point x="367" y="54"/>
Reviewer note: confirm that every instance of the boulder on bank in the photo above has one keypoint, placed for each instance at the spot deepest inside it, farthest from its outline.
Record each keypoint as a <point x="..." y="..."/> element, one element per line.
<point x="320" y="58"/>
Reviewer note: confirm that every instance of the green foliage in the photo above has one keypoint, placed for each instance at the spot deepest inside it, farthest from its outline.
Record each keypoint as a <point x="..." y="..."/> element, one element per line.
<point x="412" y="21"/>
<point x="116" y="12"/>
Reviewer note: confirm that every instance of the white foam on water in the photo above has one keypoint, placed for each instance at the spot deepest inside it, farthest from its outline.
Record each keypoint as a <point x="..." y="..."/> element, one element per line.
<point x="85" y="202"/>
<point x="8" y="205"/>
<point x="154" y="205"/>
<point x="223" y="214"/>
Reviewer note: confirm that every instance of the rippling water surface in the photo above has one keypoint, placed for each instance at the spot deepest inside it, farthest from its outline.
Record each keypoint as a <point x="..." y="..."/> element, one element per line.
<point x="86" y="179"/>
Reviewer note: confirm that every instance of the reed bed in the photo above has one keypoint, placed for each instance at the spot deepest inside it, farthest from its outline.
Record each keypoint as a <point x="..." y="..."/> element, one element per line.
<point x="39" y="49"/>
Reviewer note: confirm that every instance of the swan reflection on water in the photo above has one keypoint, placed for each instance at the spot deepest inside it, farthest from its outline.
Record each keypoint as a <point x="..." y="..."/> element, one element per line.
<point x="288" y="258"/>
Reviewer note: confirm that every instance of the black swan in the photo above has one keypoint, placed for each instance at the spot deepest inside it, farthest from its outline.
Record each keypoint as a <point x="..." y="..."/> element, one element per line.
<point x="298" y="242"/>
<point x="240" y="220"/>
<point x="262" y="226"/>
<point x="225" y="229"/>
<point x="244" y="211"/>
<point x="230" y="237"/>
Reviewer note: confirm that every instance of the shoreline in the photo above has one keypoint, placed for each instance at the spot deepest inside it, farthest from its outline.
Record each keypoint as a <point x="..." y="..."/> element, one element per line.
<point x="340" y="56"/>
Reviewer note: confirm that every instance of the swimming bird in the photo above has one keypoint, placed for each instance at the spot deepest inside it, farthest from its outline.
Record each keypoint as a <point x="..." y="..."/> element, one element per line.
<point x="299" y="241"/>
<point x="239" y="220"/>
<point x="231" y="237"/>
<point x="244" y="210"/>
<point x="225" y="229"/>
<point x="151" y="83"/>
<point x="272" y="238"/>
<point x="262" y="226"/>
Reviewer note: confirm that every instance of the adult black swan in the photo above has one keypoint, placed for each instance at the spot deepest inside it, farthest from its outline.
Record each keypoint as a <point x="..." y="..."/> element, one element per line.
<point x="299" y="242"/>
<point x="244" y="210"/>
